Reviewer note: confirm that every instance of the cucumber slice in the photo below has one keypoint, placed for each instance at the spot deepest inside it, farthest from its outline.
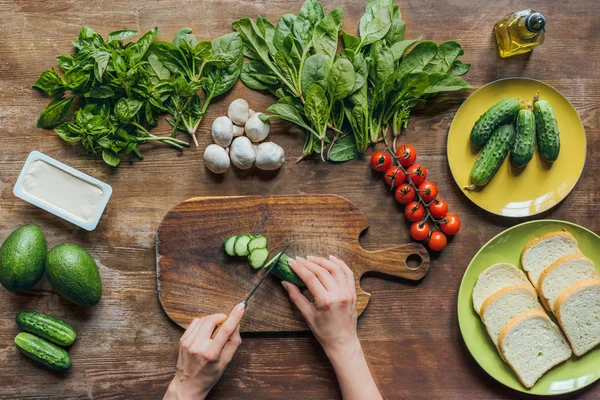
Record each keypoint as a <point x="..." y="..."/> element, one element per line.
<point x="240" y="246"/>
<point x="228" y="245"/>
<point x="257" y="242"/>
<point x="258" y="257"/>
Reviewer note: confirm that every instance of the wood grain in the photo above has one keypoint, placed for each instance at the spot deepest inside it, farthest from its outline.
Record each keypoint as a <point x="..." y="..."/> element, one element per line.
<point x="196" y="278"/>
<point x="127" y="347"/>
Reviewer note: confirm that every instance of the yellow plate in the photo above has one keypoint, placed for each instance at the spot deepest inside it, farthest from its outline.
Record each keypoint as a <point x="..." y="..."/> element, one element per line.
<point x="515" y="192"/>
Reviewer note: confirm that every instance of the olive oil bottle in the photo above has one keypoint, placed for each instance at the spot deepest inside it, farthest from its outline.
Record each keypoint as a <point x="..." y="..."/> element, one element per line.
<point x="519" y="32"/>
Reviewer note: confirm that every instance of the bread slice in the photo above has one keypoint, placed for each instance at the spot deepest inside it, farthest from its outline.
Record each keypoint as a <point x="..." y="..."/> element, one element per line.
<point x="563" y="273"/>
<point x="494" y="278"/>
<point x="543" y="251"/>
<point x="532" y="344"/>
<point x="505" y="304"/>
<point x="578" y="312"/>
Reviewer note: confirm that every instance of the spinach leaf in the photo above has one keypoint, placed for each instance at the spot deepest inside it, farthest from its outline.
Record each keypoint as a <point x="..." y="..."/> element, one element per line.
<point x="284" y="28"/>
<point x="315" y="72"/>
<point x="56" y="112"/>
<point x="344" y="149"/>
<point x="350" y="42"/>
<point x="51" y="83"/>
<point x="268" y="32"/>
<point x="459" y="68"/>
<point x="445" y="83"/>
<point x="341" y="79"/>
<point x="376" y="21"/>
<point x="289" y="113"/>
<point x="326" y="32"/>
<point x="222" y="78"/>
<point x="399" y="48"/>
<point x="256" y="75"/>
<point x="397" y="28"/>
<point x="316" y="109"/>
<point x="418" y="58"/>
<point x="310" y="15"/>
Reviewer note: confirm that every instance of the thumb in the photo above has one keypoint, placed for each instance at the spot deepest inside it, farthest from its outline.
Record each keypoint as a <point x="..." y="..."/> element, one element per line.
<point x="305" y="306"/>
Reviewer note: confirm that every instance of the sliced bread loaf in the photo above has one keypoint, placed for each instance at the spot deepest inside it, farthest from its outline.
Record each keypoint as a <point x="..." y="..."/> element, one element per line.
<point x="543" y="251"/>
<point x="494" y="278"/>
<point x="532" y="344"/>
<point x="505" y="304"/>
<point x="578" y="312"/>
<point x="563" y="273"/>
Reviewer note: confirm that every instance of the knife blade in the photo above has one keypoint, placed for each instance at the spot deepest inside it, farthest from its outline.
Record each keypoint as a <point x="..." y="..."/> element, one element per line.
<point x="273" y="262"/>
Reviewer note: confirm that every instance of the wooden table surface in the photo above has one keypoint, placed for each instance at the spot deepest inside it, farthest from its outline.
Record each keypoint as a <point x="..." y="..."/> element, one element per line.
<point x="127" y="347"/>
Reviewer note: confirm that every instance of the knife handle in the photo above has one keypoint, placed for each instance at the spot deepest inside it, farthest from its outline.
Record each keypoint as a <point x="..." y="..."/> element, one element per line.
<point x="220" y="325"/>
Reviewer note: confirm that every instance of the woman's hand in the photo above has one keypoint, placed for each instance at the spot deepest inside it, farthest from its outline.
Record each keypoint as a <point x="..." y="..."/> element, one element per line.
<point x="332" y="317"/>
<point x="202" y="360"/>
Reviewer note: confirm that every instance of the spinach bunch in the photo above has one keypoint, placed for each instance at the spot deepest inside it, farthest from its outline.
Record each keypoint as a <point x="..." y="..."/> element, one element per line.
<point x="210" y="67"/>
<point x="396" y="81"/>
<point x="119" y="90"/>
<point x="297" y="61"/>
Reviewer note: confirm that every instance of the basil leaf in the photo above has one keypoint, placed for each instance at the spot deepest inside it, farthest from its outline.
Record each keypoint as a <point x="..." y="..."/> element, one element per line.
<point x="126" y="109"/>
<point x="341" y="79"/>
<point x="111" y="158"/>
<point x="137" y="50"/>
<point x="56" y="112"/>
<point x="315" y="71"/>
<point x="158" y="68"/>
<point x="100" y="92"/>
<point x="77" y="79"/>
<point x="119" y="36"/>
<point x="397" y="28"/>
<point x="325" y="36"/>
<point x="344" y="149"/>
<point x="459" y="68"/>
<point x="285" y="28"/>
<point x="376" y="21"/>
<point x="66" y="62"/>
<point x="316" y="108"/>
<point x="66" y="134"/>
<point x="169" y="55"/>
<point x="101" y="58"/>
<point x="51" y="83"/>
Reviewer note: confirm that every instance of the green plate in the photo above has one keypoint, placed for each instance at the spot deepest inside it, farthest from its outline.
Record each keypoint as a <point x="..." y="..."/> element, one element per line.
<point x="572" y="375"/>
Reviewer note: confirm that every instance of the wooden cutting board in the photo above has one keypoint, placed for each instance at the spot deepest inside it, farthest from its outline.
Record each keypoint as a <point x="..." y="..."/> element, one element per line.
<point x="196" y="277"/>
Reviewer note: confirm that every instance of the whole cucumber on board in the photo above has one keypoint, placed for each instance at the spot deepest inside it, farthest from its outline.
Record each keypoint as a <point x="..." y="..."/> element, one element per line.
<point x="492" y="156"/>
<point x="283" y="271"/>
<point x="501" y="113"/>
<point x="43" y="352"/>
<point x="522" y="151"/>
<point x="548" y="137"/>
<point x="47" y="327"/>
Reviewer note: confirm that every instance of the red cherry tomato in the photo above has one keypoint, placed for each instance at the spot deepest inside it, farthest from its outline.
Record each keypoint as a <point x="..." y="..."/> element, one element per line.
<point x="394" y="176"/>
<point x="416" y="173"/>
<point x="414" y="211"/>
<point x="405" y="194"/>
<point x="419" y="231"/>
<point x="437" y="241"/>
<point x="451" y="226"/>
<point x="428" y="191"/>
<point x="438" y="209"/>
<point x="381" y="161"/>
<point x="406" y="155"/>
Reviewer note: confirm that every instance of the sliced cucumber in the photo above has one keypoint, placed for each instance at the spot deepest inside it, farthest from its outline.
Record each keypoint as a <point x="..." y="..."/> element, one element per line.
<point x="271" y="261"/>
<point x="257" y="242"/>
<point x="240" y="246"/>
<point x="283" y="271"/>
<point x="228" y="245"/>
<point x="258" y="257"/>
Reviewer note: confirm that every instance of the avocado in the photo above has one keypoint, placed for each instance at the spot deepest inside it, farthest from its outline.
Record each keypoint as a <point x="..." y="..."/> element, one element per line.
<point x="73" y="274"/>
<point x="22" y="257"/>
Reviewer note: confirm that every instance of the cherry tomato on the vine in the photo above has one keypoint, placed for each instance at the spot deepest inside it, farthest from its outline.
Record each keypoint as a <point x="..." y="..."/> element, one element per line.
<point x="394" y="176"/>
<point x="406" y="155"/>
<point x="416" y="173"/>
<point x="414" y="211"/>
<point x="419" y="231"/>
<point x="438" y="209"/>
<point x="428" y="191"/>
<point x="437" y="241"/>
<point x="381" y="161"/>
<point x="451" y="224"/>
<point x="405" y="194"/>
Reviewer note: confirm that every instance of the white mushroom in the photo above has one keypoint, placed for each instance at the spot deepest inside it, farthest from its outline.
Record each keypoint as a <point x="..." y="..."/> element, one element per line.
<point x="269" y="156"/>
<point x="251" y="112"/>
<point x="227" y="150"/>
<point x="216" y="159"/>
<point x="242" y="153"/>
<point x="256" y="130"/>
<point x="222" y="131"/>
<point x="255" y="147"/>
<point x="238" y="111"/>
<point x="238" y="131"/>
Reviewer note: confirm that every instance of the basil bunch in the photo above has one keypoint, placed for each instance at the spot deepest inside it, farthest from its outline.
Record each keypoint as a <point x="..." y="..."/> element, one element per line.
<point x="368" y="87"/>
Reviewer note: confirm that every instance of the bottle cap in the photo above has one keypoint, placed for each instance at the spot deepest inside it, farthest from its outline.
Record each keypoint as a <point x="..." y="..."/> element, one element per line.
<point x="535" y="22"/>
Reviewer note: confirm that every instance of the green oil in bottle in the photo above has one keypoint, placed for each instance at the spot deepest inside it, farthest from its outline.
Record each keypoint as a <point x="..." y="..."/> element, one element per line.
<point x="519" y="32"/>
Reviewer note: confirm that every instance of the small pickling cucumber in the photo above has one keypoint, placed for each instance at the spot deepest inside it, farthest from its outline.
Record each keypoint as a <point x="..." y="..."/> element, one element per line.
<point x="47" y="327"/>
<point x="522" y="151"/>
<point x="228" y="245"/>
<point x="492" y="156"/>
<point x="257" y="242"/>
<point x="240" y="247"/>
<point x="548" y="137"/>
<point x="283" y="271"/>
<point x="501" y="113"/>
<point x="258" y="257"/>
<point x="43" y="352"/>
